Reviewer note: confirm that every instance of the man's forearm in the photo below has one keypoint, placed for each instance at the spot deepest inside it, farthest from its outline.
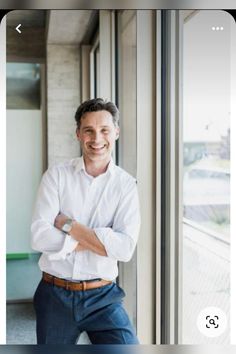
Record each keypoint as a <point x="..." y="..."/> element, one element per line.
<point x="85" y="235"/>
<point x="88" y="239"/>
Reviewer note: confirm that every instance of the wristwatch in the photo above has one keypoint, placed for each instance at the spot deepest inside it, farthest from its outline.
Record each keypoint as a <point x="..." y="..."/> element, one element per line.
<point x="67" y="226"/>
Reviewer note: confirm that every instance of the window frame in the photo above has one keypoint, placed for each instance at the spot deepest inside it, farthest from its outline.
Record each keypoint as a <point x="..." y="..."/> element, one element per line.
<point x="171" y="177"/>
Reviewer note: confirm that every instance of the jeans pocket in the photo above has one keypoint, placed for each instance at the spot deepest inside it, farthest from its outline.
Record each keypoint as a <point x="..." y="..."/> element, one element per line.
<point x="120" y="291"/>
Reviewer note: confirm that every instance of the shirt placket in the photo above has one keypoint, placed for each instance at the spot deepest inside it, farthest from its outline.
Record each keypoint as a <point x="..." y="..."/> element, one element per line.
<point x="81" y="258"/>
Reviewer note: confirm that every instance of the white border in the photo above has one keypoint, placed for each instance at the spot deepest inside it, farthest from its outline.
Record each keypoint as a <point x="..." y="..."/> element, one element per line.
<point x="3" y="180"/>
<point x="233" y="183"/>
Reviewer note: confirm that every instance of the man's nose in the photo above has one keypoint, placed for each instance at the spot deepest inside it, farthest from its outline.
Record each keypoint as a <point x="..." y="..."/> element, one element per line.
<point x="96" y="135"/>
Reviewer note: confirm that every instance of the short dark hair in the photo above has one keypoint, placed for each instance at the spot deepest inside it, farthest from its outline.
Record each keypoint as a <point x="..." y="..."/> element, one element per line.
<point x="94" y="105"/>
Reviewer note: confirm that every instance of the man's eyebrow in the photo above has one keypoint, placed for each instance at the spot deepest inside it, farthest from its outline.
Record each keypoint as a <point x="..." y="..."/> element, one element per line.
<point x="91" y="127"/>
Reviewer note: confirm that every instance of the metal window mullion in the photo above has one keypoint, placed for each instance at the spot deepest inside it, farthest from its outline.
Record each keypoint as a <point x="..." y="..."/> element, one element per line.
<point x="92" y="64"/>
<point x="179" y="173"/>
<point x="170" y="177"/>
<point x="158" y="177"/>
<point x="165" y="291"/>
<point x="146" y="176"/>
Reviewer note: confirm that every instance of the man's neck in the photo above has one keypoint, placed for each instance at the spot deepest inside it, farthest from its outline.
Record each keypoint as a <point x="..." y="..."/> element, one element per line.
<point x="95" y="168"/>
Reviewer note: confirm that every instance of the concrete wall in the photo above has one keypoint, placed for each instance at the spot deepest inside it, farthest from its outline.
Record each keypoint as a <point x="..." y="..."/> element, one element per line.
<point x="63" y="98"/>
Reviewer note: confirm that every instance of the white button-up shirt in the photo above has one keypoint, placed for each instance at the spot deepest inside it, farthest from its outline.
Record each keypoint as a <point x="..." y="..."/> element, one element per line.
<point x="107" y="203"/>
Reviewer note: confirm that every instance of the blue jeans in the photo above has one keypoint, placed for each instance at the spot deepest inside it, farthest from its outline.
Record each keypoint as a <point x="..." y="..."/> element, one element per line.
<point x="61" y="315"/>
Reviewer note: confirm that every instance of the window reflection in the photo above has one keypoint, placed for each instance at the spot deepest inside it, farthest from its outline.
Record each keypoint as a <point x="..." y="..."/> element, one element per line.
<point x="23" y="86"/>
<point x="206" y="182"/>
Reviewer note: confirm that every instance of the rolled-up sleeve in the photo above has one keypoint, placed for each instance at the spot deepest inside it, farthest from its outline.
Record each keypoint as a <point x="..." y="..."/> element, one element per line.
<point x="120" y="239"/>
<point x="44" y="236"/>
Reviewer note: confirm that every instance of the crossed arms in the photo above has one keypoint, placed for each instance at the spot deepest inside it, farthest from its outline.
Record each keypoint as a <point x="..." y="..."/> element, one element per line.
<point x="84" y="235"/>
<point x="117" y="242"/>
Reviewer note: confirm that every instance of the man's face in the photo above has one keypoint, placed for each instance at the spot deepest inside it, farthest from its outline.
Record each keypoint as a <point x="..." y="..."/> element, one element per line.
<point x="97" y="135"/>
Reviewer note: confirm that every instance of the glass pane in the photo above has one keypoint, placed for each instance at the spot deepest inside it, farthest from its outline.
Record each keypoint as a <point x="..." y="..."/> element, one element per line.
<point x="127" y="151"/>
<point x="127" y="90"/>
<point x="23" y="86"/>
<point x="206" y="182"/>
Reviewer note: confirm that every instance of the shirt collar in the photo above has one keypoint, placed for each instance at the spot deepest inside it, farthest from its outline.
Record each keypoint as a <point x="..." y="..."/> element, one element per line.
<point x="79" y="165"/>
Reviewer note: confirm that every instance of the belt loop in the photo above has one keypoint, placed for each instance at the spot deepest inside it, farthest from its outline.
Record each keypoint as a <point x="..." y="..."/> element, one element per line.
<point x="67" y="285"/>
<point x="83" y="285"/>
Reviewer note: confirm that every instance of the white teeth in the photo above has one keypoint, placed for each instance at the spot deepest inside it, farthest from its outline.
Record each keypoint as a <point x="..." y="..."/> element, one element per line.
<point x="97" y="147"/>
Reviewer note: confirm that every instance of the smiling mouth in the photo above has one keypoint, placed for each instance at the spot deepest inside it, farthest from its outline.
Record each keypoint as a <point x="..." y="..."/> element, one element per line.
<point x="97" y="148"/>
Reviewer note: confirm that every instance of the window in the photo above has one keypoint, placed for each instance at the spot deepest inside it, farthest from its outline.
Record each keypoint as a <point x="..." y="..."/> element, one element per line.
<point x="23" y="86"/>
<point x="206" y="170"/>
<point x="127" y="92"/>
<point x="127" y="149"/>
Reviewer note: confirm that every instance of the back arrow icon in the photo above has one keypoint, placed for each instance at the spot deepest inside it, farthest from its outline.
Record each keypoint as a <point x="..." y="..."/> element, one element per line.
<point x="17" y="28"/>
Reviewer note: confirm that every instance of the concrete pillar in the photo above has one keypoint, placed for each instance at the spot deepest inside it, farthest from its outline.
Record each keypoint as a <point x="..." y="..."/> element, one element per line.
<point x="63" y="98"/>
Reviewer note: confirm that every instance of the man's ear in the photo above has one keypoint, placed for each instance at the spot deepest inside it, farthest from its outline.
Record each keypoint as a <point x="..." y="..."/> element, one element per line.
<point x="117" y="132"/>
<point x="78" y="133"/>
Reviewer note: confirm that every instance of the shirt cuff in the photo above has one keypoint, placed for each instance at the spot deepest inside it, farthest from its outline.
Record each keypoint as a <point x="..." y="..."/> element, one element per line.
<point x="68" y="246"/>
<point x="104" y="234"/>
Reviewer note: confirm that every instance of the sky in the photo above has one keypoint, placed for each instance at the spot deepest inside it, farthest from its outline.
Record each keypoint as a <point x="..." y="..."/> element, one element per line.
<point x="206" y="76"/>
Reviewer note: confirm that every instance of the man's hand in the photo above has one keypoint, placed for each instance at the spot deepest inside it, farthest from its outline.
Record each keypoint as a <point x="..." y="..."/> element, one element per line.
<point x="85" y="235"/>
<point x="60" y="220"/>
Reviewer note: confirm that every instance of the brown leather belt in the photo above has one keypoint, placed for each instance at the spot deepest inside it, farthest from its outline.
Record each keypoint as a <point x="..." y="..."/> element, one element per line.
<point x="70" y="285"/>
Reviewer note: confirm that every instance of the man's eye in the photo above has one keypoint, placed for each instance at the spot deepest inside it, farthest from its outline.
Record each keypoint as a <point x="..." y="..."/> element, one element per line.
<point x="105" y="131"/>
<point x="88" y="131"/>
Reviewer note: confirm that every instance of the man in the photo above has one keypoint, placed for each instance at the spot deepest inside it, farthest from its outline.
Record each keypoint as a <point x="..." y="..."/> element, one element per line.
<point x="86" y="219"/>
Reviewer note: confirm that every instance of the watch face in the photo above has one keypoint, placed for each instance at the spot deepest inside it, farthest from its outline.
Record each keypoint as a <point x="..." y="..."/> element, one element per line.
<point x="66" y="227"/>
